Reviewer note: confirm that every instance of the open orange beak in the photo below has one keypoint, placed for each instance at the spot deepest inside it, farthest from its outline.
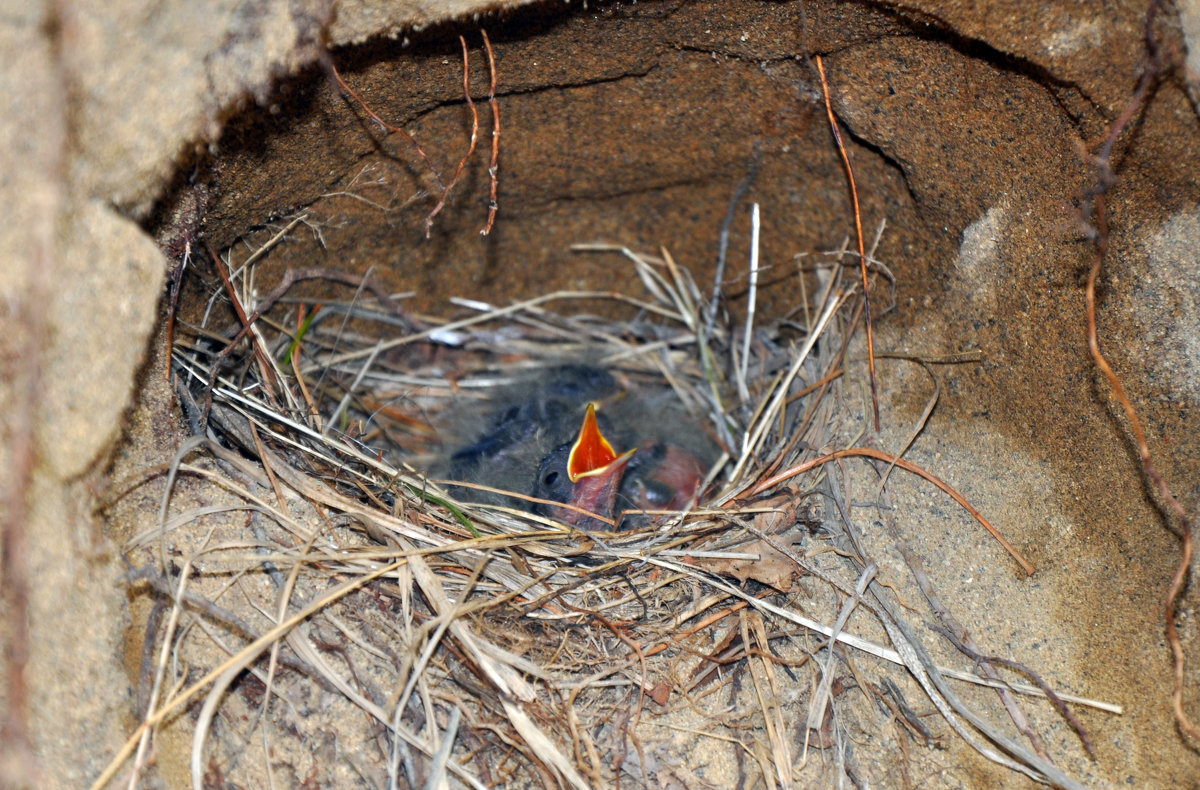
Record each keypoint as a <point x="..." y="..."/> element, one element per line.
<point x="591" y="451"/>
<point x="595" y="471"/>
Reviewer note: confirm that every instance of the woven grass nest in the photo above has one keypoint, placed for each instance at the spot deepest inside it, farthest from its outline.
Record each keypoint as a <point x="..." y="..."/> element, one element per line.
<point x="331" y="612"/>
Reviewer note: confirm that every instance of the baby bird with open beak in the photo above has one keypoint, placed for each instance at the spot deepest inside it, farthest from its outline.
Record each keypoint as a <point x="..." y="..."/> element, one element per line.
<point x="592" y="480"/>
<point x="585" y="476"/>
<point x="549" y="441"/>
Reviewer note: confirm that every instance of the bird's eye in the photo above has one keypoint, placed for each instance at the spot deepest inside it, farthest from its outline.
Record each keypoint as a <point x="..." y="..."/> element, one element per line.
<point x="550" y="479"/>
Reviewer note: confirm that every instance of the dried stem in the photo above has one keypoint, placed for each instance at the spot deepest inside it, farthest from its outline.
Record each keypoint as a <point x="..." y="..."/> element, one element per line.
<point x="350" y="91"/>
<point x="494" y="163"/>
<point x="908" y="466"/>
<point x="858" y="232"/>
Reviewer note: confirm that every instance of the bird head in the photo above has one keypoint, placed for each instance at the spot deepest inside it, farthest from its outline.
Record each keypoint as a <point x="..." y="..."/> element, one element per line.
<point x="585" y="475"/>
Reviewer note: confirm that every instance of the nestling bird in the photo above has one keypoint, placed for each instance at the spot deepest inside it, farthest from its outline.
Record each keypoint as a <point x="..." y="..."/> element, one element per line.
<point x="585" y="474"/>
<point x="575" y="437"/>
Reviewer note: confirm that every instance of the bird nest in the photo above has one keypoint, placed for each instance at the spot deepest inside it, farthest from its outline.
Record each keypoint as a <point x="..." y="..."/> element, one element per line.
<point x="329" y="605"/>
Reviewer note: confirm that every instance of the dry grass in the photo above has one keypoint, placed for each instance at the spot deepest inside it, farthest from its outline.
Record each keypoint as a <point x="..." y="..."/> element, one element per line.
<point x="333" y="615"/>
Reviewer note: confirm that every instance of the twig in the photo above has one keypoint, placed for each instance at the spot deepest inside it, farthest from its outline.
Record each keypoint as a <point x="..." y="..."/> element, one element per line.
<point x="350" y="91"/>
<point x="917" y="567"/>
<point x="921" y="421"/>
<point x="932" y="679"/>
<point x="821" y="696"/>
<point x="752" y="300"/>
<point x="494" y="164"/>
<point x="345" y="401"/>
<point x="754" y="437"/>
<point x="437" y="775"/>
<point x="857" y="642"/>
<point x="269" y="379"/>
<point x="908" y="466"/>
<point x="1054" y="699"/>
<point x="862" y="253"/>
<point x="24" y="370"/>
<point x="290" y="278"/>
<point x="719" y="276"/>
